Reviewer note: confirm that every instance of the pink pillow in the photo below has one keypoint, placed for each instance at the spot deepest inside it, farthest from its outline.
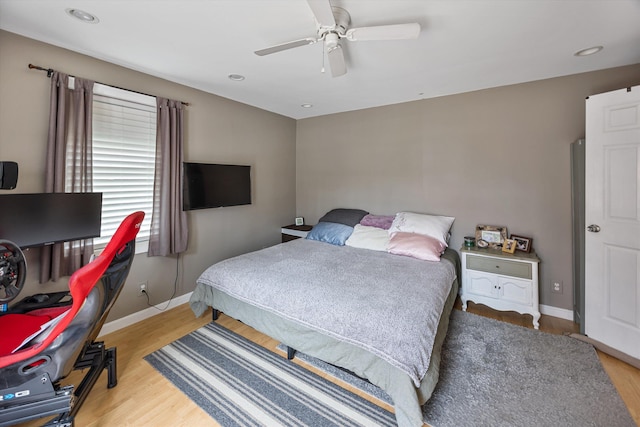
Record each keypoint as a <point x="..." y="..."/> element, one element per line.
<point x="415" y="245"/>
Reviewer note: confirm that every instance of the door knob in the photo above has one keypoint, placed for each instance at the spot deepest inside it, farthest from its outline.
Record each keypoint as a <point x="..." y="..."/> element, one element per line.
<point x="594" y="228"/>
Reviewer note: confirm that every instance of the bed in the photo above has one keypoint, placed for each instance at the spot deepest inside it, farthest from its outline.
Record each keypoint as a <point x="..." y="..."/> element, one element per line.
<point x="380" y="315"/>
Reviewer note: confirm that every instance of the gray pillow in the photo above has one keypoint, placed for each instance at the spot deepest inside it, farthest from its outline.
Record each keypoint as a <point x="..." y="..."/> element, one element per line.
<point x="349" y="217"/>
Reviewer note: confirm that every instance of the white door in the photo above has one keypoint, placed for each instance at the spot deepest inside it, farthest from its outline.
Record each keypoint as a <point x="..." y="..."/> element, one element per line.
<point x="612" y="217"/>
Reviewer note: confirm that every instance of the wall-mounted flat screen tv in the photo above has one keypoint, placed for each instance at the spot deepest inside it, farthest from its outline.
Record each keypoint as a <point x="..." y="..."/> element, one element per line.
<point x="207" y="185"/>
<point x="46" y="218"/>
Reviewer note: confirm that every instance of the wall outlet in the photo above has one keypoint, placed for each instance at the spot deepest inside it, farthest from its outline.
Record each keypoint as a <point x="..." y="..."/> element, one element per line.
<point x="556" y="287"/>
<point x="142" y="289"/>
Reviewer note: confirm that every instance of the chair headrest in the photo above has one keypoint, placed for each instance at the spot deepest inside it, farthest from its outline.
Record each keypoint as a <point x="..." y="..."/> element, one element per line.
<point x="126" y="232"/>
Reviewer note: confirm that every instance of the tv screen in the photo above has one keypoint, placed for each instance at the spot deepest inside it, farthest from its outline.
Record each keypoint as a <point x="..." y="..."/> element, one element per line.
<point x="208" y="185"/>
<point x="46" y="218"/>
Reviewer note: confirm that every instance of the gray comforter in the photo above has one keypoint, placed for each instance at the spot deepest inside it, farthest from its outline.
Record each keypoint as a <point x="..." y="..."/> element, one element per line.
<point x="387" y="304"/>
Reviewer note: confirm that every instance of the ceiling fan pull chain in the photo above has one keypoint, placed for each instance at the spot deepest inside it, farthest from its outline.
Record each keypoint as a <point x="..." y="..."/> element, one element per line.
<point x="322" y="70"/>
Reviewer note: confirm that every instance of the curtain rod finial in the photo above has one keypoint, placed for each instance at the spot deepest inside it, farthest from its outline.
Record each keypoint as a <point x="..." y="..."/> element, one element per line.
<point x="48" y="70"/>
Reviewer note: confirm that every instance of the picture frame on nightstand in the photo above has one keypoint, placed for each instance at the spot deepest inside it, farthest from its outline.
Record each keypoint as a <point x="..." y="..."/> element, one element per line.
<point x="509" y="246"/>
<point x="493" y="235"/>
<point x="522" y="243"/>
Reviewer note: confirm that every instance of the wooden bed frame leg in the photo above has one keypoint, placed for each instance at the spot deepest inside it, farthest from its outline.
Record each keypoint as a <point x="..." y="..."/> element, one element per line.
<point x="291" y="353"/>
<point x="215" y="314"/>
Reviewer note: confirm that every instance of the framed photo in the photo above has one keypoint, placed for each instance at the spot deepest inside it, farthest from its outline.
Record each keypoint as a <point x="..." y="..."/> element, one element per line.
<point x="299" y="220"/>
<point x="493" y="235"/>
<point x="509" y="246"/>
<point x="522" y="243"/>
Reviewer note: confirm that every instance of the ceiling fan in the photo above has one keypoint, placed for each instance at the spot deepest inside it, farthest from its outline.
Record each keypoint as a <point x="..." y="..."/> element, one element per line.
<point x="333" y="25"/>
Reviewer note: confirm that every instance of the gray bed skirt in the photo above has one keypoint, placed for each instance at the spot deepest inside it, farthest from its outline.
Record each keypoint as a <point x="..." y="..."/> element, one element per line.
<point x="407" y="398"/>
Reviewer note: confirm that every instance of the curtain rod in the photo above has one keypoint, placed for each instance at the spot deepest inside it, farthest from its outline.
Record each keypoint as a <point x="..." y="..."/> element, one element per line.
<point x="51" y="70"/>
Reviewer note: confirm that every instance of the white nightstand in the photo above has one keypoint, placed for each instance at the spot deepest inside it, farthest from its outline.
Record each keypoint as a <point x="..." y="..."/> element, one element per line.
<point x="503" y="281"/>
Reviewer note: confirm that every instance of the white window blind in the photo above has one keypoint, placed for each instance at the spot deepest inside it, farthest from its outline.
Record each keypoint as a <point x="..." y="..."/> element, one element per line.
<point x="124" y="146"/>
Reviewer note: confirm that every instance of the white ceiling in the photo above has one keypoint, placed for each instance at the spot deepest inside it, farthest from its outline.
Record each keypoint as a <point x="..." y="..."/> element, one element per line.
<point x="464" y="45"/>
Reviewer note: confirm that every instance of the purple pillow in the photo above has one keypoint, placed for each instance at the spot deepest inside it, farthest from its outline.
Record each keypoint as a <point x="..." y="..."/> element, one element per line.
<point x="378" y="221"/>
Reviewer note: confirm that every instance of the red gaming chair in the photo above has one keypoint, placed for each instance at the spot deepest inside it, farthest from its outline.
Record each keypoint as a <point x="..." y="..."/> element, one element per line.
<point x="30" y="369"/>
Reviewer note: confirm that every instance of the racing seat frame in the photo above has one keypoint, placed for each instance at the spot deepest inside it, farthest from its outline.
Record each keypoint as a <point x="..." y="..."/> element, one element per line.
<point x="30" y="375"/>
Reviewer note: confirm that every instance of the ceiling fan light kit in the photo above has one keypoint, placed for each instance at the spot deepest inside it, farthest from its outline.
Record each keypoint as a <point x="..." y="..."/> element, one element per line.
<point x="333" y="25"/>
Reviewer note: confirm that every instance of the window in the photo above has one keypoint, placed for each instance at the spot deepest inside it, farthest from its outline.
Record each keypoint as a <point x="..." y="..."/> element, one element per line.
<point x="124" y="149"/>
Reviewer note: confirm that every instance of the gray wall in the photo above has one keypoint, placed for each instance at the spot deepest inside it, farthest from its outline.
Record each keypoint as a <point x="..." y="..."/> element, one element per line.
<point x="217" y="131"/>
<point x="498" y="157"/>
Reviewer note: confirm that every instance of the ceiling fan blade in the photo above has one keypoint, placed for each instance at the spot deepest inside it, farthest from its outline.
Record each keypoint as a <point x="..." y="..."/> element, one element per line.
<point x="384" y="32"/>
<point x="322" y="11"/>
<point x="285" y="46"/>
<point x="336" y="61"/>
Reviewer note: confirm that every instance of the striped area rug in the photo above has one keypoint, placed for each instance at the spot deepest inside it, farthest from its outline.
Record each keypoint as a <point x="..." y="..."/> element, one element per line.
<point x="240" y="383"/>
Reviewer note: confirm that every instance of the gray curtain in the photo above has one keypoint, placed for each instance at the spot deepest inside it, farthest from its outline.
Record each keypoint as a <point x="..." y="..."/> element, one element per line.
<point x="169" y="233"/>
<point x="68" y="166"/>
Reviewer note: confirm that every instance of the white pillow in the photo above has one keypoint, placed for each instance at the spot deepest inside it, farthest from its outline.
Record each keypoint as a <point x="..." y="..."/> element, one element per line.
<point x="367" y="237"/>
<point x="429" y="225"/>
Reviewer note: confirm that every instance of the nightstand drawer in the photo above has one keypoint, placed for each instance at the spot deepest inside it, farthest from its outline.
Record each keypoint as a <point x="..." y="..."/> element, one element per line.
<point x="499" y="266"/>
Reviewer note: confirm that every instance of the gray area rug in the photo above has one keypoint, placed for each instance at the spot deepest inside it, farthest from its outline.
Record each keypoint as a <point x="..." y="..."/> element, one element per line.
<point x="497" y="374"/>
<point x="242" y="384"/>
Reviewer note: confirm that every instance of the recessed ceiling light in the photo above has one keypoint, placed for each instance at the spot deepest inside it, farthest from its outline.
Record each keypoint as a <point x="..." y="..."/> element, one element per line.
<point x="588" y="51"/>
<point x="83" y="16"/>
<point x="236" y="77"/>
<point x="306" y="105"/>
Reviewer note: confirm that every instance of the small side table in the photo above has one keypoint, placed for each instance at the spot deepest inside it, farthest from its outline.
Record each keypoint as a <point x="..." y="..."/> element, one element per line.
<point x="292" y="232"/>
<point x="500" y="280"/>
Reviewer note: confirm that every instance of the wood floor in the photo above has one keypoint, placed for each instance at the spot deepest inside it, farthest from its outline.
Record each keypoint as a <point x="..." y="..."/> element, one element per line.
<point x="144" y="398"/>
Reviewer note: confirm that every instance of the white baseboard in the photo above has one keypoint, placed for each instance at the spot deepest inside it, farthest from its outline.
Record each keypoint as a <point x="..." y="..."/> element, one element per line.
<point x="142" y="315"/>
<point x="562" y="313"/>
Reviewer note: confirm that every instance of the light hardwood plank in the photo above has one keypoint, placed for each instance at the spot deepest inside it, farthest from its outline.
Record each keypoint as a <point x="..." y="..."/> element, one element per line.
<point x="143" y="397"/>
